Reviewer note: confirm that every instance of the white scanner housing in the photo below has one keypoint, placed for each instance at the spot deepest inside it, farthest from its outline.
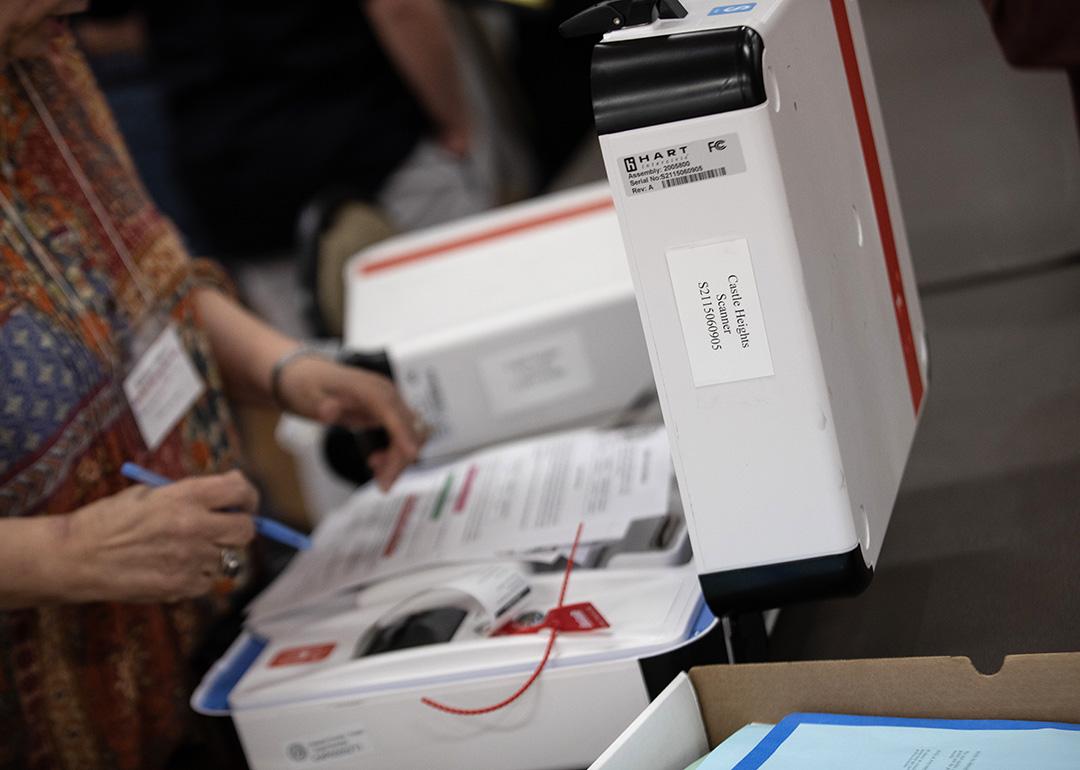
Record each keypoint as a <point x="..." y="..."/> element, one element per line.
<point x="747" y="156"/>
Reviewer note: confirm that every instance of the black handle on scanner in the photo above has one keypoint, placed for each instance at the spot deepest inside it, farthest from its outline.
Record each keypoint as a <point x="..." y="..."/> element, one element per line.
<point x="610" y="15"/>
<point x="346" y="451"/>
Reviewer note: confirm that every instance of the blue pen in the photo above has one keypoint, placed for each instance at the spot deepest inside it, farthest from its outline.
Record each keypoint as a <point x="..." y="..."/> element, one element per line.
<point x="274" y="530"/>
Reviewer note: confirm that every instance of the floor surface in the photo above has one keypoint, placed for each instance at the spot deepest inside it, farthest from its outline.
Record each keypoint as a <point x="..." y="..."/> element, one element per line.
<point x="982" y="557"/>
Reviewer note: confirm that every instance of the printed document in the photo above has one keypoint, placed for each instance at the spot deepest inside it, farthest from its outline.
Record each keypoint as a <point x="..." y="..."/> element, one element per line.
<point x="499" y="502"/>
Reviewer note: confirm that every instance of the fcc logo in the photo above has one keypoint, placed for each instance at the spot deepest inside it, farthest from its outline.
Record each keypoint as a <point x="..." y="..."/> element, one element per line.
<point x="630" y="163"/>
<point x="721" y="10"/>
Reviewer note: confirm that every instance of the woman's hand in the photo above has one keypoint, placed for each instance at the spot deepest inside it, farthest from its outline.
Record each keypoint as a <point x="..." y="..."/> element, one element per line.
<point x="154" y="545"/>
<point x="456" y="139"/>
<point x="248" y="351"/>
<point x="335" y="394"/>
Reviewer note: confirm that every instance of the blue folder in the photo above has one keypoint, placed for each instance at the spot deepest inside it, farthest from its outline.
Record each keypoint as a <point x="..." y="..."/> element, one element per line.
<point x="1059" y="748"/>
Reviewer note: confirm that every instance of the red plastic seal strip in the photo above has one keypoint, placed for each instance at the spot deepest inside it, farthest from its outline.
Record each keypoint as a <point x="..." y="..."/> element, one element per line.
<point x="581" y="617"/>
<point x="571" y="618"/>
<point x="575" y="618"/>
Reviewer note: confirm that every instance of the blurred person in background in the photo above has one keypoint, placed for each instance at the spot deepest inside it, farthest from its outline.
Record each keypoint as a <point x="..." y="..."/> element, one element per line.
<point x="1040" y="33"/>
<point x="552" y="73"/>
<point x="287" y="120"/>
<point x="273" y="104"/>
<point x="106" y="589"/>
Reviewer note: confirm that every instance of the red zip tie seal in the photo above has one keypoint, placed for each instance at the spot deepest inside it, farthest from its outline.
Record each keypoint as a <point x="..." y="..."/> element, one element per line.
<point x="571" y="618"/>
<point x="555" y="621"/>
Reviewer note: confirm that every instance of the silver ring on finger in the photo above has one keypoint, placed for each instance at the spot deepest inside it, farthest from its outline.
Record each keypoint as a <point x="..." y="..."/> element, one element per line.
<point x="230" y="562"/>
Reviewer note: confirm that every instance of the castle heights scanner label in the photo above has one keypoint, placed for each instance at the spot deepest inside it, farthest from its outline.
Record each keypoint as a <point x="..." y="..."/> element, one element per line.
<point x="681" y="164"/>
<point x="722" y="322"/>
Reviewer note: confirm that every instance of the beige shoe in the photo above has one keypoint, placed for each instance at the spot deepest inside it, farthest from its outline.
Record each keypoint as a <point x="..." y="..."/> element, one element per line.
<point x="353" y="227"/>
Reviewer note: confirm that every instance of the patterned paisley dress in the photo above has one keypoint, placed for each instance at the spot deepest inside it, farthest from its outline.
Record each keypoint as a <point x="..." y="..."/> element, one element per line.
<point x="95" y="685"/>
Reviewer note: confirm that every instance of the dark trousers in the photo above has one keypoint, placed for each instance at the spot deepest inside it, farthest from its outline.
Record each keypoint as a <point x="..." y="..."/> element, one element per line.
<point x="1040" y="33"/>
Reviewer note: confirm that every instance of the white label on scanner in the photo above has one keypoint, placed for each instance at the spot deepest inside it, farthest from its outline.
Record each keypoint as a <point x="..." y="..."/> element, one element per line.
<point x="720" y="311"/>
<point x="162" y="387"/>
<point x="329" y="748"/>
<point x="682" y="164"/>
<point x="422" y="389"/>
<point x="536" y="374"/>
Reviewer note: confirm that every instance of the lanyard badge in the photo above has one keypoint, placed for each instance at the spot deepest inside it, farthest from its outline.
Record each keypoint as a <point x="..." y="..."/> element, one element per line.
<point x="162" y="384"/>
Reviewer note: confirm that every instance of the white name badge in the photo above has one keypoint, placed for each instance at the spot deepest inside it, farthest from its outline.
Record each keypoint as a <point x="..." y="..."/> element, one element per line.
<point x="162" y="387"/>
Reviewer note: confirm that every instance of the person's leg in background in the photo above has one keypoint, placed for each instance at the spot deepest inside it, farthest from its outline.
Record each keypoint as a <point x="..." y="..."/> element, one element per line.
<point x="449" y="173"/>
<point x="1040" y="33"/>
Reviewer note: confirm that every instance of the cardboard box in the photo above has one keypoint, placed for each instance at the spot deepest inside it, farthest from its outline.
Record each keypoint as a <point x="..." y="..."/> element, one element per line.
<point x="698" y="711"/>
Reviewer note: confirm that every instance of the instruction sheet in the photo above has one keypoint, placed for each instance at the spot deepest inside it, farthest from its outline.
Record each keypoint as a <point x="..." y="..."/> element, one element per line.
<point x="499" y="502"/>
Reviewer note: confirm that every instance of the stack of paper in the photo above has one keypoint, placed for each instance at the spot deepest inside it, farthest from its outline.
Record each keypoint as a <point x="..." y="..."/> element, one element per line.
<point x="528" y="496"/>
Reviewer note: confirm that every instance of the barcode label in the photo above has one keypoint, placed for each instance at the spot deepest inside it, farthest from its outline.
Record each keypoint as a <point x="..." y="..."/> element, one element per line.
<point x="696" y="161"/>
<point x="711" y="173"/>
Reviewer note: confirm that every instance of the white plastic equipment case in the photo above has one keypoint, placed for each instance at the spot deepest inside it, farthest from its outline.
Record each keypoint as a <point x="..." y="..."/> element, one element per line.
<point x="308" y="692"/>
<point x="747" y="155"/>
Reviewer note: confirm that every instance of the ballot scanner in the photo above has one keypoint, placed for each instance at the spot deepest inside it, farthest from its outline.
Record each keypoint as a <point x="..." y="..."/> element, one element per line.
<point x="747" y="155"/>
<point x="510" y="322"/>
<point x="761" y="224"/>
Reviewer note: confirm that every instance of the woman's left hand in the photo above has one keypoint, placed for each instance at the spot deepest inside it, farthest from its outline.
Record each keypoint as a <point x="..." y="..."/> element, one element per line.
<point x="313" y="387"/>
<point x="334" y="394"/>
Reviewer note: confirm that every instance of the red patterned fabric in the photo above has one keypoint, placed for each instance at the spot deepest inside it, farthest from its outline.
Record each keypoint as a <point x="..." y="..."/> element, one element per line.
<point x="97" y="685"/>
